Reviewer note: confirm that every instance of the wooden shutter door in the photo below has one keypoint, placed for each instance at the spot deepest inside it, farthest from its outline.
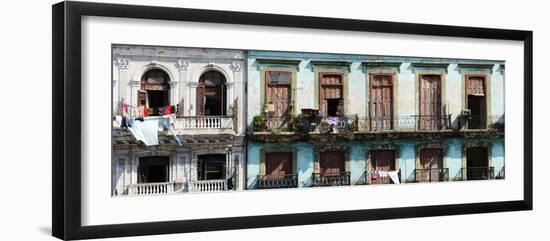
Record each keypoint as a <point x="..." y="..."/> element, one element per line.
<point x="278" y="95"/>
<point x="330" y="87"/>
<point x="383" y="160"/>
<point x="430" y="158"/>
<point x="200" y="96"/>
<point x="331" y="162"/>
<point x="430" y="102"/>
<point x="381" y="108"/>
<point x="278" y="164"/>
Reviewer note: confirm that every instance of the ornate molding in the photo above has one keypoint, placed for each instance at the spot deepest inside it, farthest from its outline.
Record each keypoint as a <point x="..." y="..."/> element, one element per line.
<point x="236" y="66"/>
<point x="182" y="65"/>
<point x="122" y="63"/>
<point x="134" y="83"/>
<point x="173" y="84"/>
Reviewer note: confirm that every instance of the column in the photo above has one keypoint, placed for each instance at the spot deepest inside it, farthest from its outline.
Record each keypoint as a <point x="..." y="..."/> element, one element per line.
<point x="238" y="91"/>
<point x="121" y="91"/>
<point x="183" y="68"/>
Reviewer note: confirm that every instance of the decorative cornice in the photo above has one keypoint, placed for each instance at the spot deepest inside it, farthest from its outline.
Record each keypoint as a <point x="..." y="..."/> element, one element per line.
<point x="122" y="63"/>
<point x="192" y="84"/>
<point x="182" y="65"/>
<point x="430" y="65"/>
<point x="173" y="84"/>
<point x="476" y="66"/>
<point x="134" y="83"/>
<point x="345" y="64"/>
<point x="378" y="64"/>
<point x="289" y="62"/>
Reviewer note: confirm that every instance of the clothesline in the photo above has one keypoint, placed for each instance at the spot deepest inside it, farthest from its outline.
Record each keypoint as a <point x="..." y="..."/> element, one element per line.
<point x="145" y="129"/>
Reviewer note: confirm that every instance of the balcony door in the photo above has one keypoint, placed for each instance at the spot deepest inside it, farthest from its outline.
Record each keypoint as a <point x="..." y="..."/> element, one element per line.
<point x="331" y="95"/>
<point x="154" y="91"/>
<point x="278" y="164"/>
<point x="153" y="169"/>
<point x="476" y="101"/>
<point x="211" y="94"/>
<point x="382" y="160"/>
<point x="278" y="94"/>
<point x="430" y="102"/>
<point x="381" y="102"/>
<point x="477" y="164"/>
<point x="431" y="162"/>
<point x="331" y="162"/>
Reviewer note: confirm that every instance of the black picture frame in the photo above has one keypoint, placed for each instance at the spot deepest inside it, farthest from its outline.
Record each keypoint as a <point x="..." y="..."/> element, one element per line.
<point x="66" y="138"/>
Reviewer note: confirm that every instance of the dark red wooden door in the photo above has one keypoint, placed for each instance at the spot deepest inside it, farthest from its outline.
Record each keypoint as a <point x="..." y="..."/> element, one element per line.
<point x="278" y="164"/>
<point x="330" y="88"/>
<point x="431" y="160"/>
<point x="381" y="102"/>
<point x="331" y="162"/>
<point x="430" y="102"/>
<point x="382" y="160"/>
<point x="278" y="97"/>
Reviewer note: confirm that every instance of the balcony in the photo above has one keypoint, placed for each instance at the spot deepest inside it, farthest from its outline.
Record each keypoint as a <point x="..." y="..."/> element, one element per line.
<point x="280" y="181"/>
<point x="155" y="188"/>
<point x="195" y="124"/>
<point x="323" y="180"/>
<point x="413" y="122"/>
<point x="478" y="173"/>
<point x="209" y="185"/>
<point x="376" y="177"/>
<point x="431" y="175"/>
<point x="482" y="122"/>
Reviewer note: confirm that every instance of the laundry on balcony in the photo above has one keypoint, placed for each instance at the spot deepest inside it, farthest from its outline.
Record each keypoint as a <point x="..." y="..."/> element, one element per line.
<point x="394" y="175"/>
<point x="145" y="129"/>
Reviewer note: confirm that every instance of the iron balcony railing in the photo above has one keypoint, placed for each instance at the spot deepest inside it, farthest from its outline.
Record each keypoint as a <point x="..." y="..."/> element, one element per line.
<point x="431" y="174"/>
<point x="277" y="181"/>
<point x="478" y="173"/>
<point x="481" y="122"/>
<point x="377" y="177"/>
<point x="500" y="174"/>
<point x="336" y="179"/>
<point x="413" y="122"/>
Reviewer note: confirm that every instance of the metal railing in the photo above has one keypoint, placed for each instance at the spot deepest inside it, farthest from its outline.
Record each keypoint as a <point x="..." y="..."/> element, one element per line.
<point x="478" y="173"/>
<point x="141" y="189"/>
<point x="277" y="122"/>
<point x="431" y="175"/>
<point x="277" y="181"/>
<point x="337" y="179"/>
<point x="377" y="177"/>
<point x="501" y="174"/>
<point x="413" y="122"/>
<point x="480" y="122"/>
<point x="337" y="123"/>
<point x="208" y="186"/>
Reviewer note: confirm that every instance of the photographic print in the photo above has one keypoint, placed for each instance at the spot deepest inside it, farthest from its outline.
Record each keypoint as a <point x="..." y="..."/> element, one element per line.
<point x="199" y="120"/>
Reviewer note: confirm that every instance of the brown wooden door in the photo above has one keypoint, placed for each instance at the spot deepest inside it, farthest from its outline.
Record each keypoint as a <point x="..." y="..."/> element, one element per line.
<point x="382" y="160"/>
<point x="430" y="102"/>
<point x="381" y="102"/>
<point x="142" y="98"/>
<point x="278" y="96"/>
<point x="278" y="164"/>
<point x="331" y="88"/>
<point x="431" y="161"/>
<point x="200" y="96"/>
<point x="332" y="162"/>
<point x="477" y="102"/>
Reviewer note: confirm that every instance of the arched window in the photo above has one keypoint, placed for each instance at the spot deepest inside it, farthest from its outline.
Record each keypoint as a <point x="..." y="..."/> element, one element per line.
<point x="211" y="94"/>
<point x="155" y="91"/>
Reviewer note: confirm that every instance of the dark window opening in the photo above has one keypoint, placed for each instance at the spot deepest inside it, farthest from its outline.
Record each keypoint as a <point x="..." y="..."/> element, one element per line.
<point x="334" y="107"/>
<point x="155" y="91"/>
<point x="476" y="104"/>
<point x="477" y="164"/>
<point x="211" y="167"/>
<point x="211" y="94"/>
<point x="153" y="169"/>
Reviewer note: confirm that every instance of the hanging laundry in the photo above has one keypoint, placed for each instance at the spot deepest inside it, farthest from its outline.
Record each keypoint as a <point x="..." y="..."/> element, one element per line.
<point x="394" y="175"/>
<point x="142" y="111"/>
<point x="383" y="173"/>
<point x="146" y="131"/>
<point x="332" y="120"/>
<point x="167" y="110"/>
<point x="374" y="176"/>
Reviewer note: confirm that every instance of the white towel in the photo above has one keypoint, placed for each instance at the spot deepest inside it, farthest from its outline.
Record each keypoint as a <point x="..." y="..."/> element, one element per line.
<point x="146" y="131"/>
<point x="394" y="175"/>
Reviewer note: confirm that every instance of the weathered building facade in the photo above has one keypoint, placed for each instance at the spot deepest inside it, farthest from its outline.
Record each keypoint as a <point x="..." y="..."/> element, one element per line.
<point x="333" y="119"/>
<point x="198" y="95"/>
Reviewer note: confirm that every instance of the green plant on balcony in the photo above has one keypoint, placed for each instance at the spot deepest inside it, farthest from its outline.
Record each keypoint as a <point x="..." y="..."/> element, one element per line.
<point x="258" y="121"/>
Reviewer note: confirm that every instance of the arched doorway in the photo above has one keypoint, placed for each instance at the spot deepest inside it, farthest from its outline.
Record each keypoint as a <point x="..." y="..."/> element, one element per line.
<point x="155" y="91"/>
<point x="211" y="94"/>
